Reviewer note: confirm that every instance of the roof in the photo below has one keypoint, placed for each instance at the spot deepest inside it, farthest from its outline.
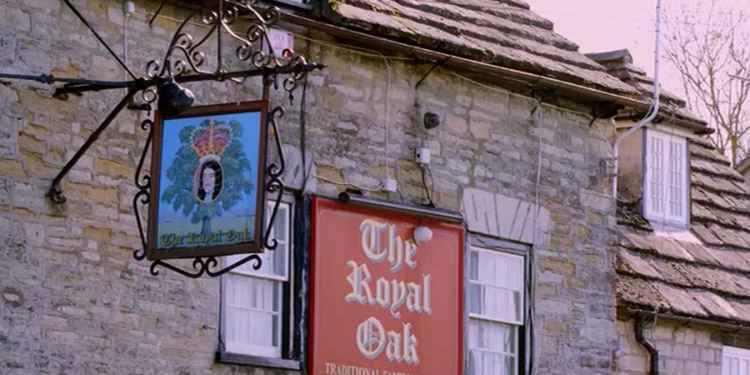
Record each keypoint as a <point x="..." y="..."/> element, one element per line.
<point x="703" y="273"/>
<point x="619" y="63"/>
<point x="743" y="165"/>
<point x="499" y="32"/>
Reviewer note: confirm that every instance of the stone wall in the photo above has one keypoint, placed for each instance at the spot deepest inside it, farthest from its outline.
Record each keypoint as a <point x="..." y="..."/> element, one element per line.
<point x="74" y="300"/>
<point x="683" y="349"/>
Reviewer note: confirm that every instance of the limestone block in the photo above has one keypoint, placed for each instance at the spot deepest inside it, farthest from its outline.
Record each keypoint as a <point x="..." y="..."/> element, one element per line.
<point x="502" y="216"/>
<point x="8" y="137"/>
<point x="6" y="184"/>
<point x="8" y="46"/>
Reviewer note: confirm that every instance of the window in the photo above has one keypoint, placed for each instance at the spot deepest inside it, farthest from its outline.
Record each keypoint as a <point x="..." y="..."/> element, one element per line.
<point x="496" y="303"/>
<point x="735" y="361"/>
<point x="666" y="184"/>
<point x="256" y="305"/>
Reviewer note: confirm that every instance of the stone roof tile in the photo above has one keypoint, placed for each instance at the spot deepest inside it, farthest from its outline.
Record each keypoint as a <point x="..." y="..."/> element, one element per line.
<point x="706" y="234"/>
<point x="634" y="264"/>
<point x="729" y="236"/>
<point x="715" y="305"/>
<point x="670" y="248"/>
<point x="700" y="253"/>
<point x="700" y="151"/>
<point x="639" y="292"/>
<point x="674" y="272"/>
<point x="635" y="241"/>
<point x="680" y="300"/>
<point x="731" y="259"/>
<point x="505" y="33"/>
<point x="713" y="280"/>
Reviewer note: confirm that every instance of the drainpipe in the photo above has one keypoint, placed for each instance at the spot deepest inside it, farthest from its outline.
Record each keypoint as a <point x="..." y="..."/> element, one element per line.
<point x="655" y="106"/>
<point x="640" y="323"/>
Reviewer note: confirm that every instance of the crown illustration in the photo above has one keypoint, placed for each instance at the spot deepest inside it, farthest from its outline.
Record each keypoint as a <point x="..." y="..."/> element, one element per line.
<point x="211" y="140"/>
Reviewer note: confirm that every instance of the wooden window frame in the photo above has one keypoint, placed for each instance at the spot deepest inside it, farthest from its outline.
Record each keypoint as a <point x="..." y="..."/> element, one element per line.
<point x="666" y="169"/>
<point x="288" y="360"/>
<point x="504" y="248"/>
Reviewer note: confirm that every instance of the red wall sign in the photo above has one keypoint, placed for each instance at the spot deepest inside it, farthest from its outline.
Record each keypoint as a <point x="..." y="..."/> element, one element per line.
<point x="382" y="304"/>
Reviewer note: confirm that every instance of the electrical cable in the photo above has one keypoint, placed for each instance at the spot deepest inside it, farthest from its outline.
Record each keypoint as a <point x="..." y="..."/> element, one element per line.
<point x="344" y="183"/>
<point x="428" y="190"/>
<point x="101" y="40"/>
<point x="302" y="136"/>
<point x="538" y="114"/>
<point x="388" y="118"/>
<point x="303" y="130"/>
<point x="156" y="14"/>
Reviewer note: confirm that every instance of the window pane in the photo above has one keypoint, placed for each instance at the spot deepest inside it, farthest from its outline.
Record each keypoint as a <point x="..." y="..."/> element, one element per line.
<point x="253" y="315"/>
<point x="492" y="348"/>
<point x="496" y="286"/>
<point x="474" y="295"/>
<point x="484" y="363"/>
<point x="657" y="174"/>
<point x="275" y="263"/>
<point x="675" y="199"/>
<point x="495" y="303"/>
<point x="677" y="180"/>
<point x="474" y="265"/>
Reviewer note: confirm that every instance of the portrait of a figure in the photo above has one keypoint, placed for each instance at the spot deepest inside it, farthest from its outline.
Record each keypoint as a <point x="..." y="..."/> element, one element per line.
<point x="208" y="180"/>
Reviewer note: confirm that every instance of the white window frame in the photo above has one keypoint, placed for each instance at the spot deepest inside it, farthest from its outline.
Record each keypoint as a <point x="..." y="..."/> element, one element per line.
<point x="663" y="172"/>
<point x="285" y="319"/>
<point x="517" y="325"/>
<point x="735" y="361"/>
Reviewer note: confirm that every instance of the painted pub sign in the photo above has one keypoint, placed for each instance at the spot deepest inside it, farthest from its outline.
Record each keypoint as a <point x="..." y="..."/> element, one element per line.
<point x="382" y="302"/>
<point x="208" y="166"/>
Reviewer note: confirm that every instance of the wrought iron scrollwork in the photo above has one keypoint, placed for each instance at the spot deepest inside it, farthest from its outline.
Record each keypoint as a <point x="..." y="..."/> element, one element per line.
<point x="187" y="60"/>
<point x="186" y="55"/>
<point x="184" y="59"/>
<point x="204" y="266"/>
<point x="143" y="184"/>
<point x="274" y="184"/>
<point x="201" y="265"/>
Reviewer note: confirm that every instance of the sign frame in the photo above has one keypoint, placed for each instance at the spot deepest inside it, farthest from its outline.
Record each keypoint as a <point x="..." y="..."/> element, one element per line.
<point x="256" y="242"/>
<point x="317" y="201"/>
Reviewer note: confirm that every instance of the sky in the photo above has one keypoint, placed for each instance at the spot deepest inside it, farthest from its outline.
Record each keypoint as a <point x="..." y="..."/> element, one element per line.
<point x="606" y="25"/>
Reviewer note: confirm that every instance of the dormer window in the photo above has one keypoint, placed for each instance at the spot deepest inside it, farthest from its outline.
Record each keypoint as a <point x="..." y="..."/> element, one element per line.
<point x="665" y="188"/>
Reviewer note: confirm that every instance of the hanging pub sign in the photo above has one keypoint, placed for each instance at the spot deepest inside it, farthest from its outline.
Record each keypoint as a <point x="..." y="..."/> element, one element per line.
<point x="386" y="294"/>
<point x="208" y="168"/>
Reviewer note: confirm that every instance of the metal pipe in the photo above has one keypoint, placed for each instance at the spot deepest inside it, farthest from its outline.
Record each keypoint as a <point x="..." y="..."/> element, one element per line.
<point x="55" y="191"/>
<point x="50" y="79"/>
<point x="438" y="214"/>
<point x="654" y="111"/>
<point x="143" y="83"/>
<point x="648" y="345"/>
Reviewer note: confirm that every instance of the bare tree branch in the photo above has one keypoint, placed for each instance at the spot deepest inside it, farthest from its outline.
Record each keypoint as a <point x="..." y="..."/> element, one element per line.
<point x="709" y="48"/>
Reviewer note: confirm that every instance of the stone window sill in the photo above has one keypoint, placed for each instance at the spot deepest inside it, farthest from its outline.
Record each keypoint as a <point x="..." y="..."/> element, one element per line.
<point x="250" y="360"/>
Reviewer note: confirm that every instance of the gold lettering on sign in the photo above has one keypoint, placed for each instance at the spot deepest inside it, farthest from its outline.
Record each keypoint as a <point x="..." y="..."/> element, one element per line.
<point x="390" y="294"/>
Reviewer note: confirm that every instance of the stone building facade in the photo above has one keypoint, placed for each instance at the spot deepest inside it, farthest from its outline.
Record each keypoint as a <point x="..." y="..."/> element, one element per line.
<point x="75" y="302"/>
<point x="682" y="271"/>
<point x="683" y="349"/>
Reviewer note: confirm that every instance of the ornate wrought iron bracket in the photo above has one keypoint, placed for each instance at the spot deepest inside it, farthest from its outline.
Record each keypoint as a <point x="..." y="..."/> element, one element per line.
<point x="184" y="61"/>
<point x="207" y="265"/>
